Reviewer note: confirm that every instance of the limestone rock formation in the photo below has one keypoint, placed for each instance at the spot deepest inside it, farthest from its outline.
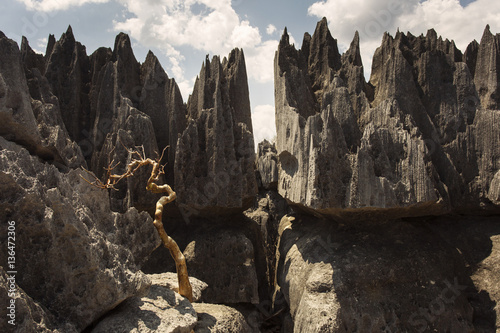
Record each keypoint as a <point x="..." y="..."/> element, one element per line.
<point x="119" y="126"/>
<point x="217" y="318"/>
<point x="270" y="207"/>
<point x="378" y="276"/>
<point x="216" y="150"/>
<point x="67" y="70"/>
<point x="26" y="315"/>
<point x="169" y="280"/>
<point x="486" y="76"/>
<point x="35" y="123"/>
<point x="161" y="310"/>
<point x="78" y="259"/>
<point x="409" y="142"/>
<point x="161" y="99"/>
<point x="226" y="262"/>
<point x="267" y="165"/>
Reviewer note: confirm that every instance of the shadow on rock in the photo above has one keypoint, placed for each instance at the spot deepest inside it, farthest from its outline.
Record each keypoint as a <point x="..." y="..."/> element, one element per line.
<point x="412" y="275"/>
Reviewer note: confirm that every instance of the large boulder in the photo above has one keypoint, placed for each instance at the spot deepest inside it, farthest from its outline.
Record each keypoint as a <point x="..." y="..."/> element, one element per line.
<point x="78" y="259"/>
<point x="23" y="314"/>
<point x="217" y="318"/>
<point x="161" y="310"/>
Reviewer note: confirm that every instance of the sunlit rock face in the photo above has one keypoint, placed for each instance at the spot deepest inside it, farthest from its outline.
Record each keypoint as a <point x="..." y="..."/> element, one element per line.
<point x="412" y="140"/>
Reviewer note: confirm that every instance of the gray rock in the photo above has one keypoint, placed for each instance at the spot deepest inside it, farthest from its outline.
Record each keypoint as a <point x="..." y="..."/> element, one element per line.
<point x="218" y="318"/>
<point x="225" y="260"/>
<point x="67" y="70"/>
<point x="161" y="310"/>
<point x="216" y="150"/>
<point x="486" y="77"/>
<point x="408" y="147"/>
<point x="270" y="207"/>
<point x="43" y="137"/>
<point x="47" y="110"/>
<point x="119" y="126"/>
<point x="77" y="258"/>
<point x="161" y="99"/>
<point x="395" y="275"/>
<point x="25" y="314"/>
<point x="169" y="280"/>
<point x="267" y="165"/>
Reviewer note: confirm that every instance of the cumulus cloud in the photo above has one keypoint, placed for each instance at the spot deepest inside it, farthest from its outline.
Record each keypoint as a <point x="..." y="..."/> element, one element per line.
<point x="55" y="5"/>
<point x="211" y="26"/>
<point x="271" y="29"/>
<point x="372" y="18"/>
<point x="263" y="123"/>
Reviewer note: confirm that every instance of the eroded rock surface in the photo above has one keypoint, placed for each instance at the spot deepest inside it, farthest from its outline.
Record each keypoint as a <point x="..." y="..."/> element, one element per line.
<point x="217" y="318"/>
<point x="226" y="262"/>
<point x="216" y="150"/>
<point x="78" y="259"/>
<point x="161" y="310"/>
<point x="34" y="123"/>
<point x="414" y="275"/>
<point x="267" y="165"/>
<point x="409" y="141"/>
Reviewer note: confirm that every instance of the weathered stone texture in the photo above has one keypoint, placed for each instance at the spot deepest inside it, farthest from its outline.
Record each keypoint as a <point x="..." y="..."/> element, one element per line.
<point x="216" y="150"/>
<point x="396" y="275"/>
<point x="412" y="140"/>
<point x="77" y="258"/>
<point x="267" y="165"/>
<point x="161" y="310"/>
<point x="35" y="124"/>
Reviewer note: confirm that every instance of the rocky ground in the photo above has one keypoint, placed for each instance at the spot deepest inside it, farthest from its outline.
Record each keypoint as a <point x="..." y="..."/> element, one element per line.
<point x="376" y="209"/>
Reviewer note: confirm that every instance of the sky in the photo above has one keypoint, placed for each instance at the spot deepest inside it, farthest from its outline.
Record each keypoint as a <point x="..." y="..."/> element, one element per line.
<point x="182" y="33"/>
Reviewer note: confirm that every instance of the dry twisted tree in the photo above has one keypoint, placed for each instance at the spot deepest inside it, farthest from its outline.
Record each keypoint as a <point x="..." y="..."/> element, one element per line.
<point x="139" y="159"/>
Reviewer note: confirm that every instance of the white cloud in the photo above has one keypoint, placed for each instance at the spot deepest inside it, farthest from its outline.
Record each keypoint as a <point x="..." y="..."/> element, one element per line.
<point x="271" y="29"/>
<point x="263" y="123"/>
<point x="453" y="21"/>
<point x="260" y="61"/>
<point x="55" y="5"/>
<point x="211" y="26"/>
<point x="373" y="18"/>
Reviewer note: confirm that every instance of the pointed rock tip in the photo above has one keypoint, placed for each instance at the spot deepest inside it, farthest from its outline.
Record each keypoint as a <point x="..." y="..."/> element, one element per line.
<point x="122" y="41"/>
<point x="486" y="33"/>
<point x="355" y="39"/>
<point x="68" y="35"/>
<point x="487" y="30"/>
<point x="236" y="54"/>
<point x="150" y="57"/>
<point x="285" y="38"/>
<point x="431" y="33"/>
<point x="24" y="41"/>
<point x="322" y="25"/>
<point x="2" y="35"/>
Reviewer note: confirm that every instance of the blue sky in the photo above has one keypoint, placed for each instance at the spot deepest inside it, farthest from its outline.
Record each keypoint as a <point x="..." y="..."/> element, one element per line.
<point x="181" y="33"/>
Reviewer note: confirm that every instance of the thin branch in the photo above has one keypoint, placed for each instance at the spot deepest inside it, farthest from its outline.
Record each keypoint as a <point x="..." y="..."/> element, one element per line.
<point x="158" y="170"/>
